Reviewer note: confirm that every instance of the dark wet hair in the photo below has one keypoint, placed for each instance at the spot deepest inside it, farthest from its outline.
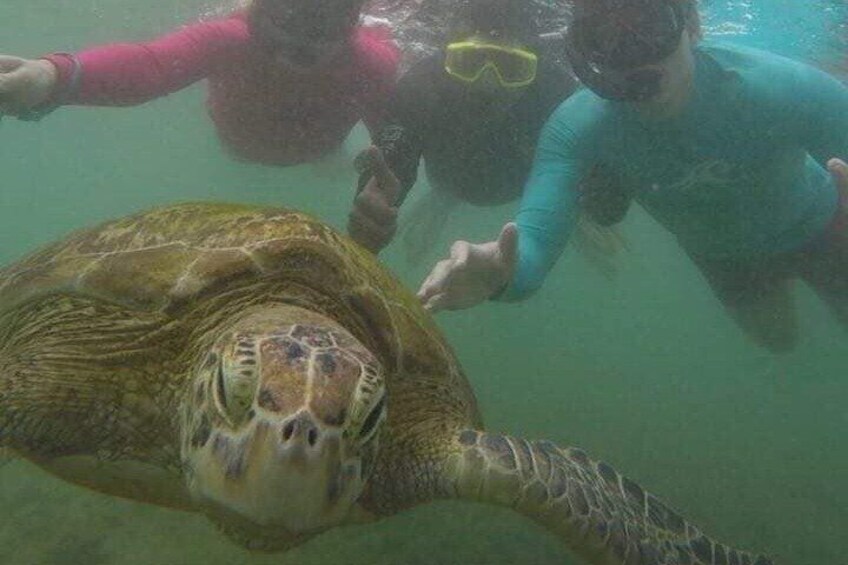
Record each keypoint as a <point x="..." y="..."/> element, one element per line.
<point x="583" y="7"/>
<point x="307" y="19"/>
<point x="513" y="19"/>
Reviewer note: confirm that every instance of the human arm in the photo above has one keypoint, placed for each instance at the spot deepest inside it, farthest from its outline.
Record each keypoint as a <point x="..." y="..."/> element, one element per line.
<point x="812" y="104"/>
<point x="372" y="221"/>
<point x="378" y="59"/>
<point x="514" y="266"/>
<point x="826" y="140"/>
<point x="548" y="211"/>
<point x="826" y="105"/>
<point x="126" y="74"/>
<point x="388" y="170"/>
<point x="403" y="123"/>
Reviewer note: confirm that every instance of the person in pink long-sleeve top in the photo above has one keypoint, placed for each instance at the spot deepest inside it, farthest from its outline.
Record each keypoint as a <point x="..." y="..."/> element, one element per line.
<point x="288" y="79"/>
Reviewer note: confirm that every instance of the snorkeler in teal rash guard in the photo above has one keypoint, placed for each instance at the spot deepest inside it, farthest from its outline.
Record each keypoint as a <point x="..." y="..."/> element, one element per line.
<point x="737" y="152"/>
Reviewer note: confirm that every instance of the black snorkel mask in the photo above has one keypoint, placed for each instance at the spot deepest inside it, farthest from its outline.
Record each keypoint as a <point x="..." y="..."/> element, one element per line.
<point x="607" y="47"/>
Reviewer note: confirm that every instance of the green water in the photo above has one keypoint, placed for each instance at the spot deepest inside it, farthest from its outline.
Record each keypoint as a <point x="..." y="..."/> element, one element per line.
<point x="645" y="371"/>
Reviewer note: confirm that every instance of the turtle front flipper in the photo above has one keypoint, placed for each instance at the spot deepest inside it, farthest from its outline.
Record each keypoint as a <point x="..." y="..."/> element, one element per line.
<point x="603" y="516"/>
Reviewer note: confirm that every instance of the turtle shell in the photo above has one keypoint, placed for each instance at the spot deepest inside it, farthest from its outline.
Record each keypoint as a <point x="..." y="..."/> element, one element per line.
<point x="158" y="259"/>
<point x="165" y="259"/>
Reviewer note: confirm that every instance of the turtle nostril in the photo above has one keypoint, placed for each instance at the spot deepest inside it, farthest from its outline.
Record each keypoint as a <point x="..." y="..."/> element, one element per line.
<point x="301" y="429"/>
<point x="288" y="431"/>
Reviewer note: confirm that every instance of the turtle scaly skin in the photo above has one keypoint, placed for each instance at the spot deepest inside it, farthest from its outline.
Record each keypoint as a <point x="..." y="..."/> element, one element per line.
<point x="256" y="366"/>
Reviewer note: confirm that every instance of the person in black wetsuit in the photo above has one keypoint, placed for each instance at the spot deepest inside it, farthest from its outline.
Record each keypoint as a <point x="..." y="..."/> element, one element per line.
<point x="473" y="111"/>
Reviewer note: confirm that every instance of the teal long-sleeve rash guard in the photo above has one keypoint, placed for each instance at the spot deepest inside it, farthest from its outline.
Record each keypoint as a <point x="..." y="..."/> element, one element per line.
<point x="740" y="172"/>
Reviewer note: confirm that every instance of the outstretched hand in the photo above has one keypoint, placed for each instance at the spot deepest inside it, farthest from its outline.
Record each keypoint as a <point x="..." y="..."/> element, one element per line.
<point x="472" y="274"/>
<point x="373" y="220"/>
<point x="24" y="83"/>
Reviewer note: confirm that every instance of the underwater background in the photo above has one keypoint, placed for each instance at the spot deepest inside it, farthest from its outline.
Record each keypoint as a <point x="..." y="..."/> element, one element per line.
<point x="644" y="371"/>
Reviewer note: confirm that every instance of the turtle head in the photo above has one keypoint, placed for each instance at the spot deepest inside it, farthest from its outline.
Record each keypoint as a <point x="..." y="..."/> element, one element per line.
<point x="282" y="420"/>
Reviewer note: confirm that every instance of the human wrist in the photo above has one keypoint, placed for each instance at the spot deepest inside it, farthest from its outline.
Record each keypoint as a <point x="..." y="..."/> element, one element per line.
<point x="56" y="78"/>
<point x="501" y="282"/>
<point x="499" y="292"/>
<point x="66" y="73"/>
<point x="46" y="79"/>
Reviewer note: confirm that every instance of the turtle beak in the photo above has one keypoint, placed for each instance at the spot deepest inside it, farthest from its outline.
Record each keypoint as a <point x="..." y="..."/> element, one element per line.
<point x="291" y="475"/>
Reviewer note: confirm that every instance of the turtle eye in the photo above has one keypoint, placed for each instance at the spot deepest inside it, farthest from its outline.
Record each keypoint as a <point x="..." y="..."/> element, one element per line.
<point x="369" y="426"/>
<point x="211" y="360"/>
<point x="220" y="388"/>
<point x="235" y="388"/>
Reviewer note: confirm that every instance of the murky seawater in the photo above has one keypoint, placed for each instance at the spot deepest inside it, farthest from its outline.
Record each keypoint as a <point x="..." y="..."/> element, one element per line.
<point x="645" y="371"/>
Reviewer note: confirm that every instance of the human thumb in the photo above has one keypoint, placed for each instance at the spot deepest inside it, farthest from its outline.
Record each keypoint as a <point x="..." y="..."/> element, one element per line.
<point x="508" y="246"/>
<point x="385" y="177"/>
<point x="839" y="170"/>
<point x="362" y="163"/>
<point x="8" y="63"/>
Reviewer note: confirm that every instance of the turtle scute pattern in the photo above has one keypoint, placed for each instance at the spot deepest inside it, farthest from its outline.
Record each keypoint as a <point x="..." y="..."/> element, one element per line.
<point x="167" y="256"/>
<point x="170" y="274"/>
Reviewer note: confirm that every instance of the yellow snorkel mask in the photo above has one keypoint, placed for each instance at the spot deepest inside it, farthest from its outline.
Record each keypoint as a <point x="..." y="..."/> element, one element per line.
<point x="514" y="67"/>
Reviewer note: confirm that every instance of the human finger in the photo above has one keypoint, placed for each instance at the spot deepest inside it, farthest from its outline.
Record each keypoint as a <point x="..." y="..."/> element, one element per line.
<point x="362" y="161"/>
<point x="365" y="239"/>
<point x="366" y="231"/>
<point x="508" y="245"/>
<point x="437" y="281"/>
<point x="389" y="185"/>
<point x="839" y="170"/>
<point x="372" y="203"/>
<point x="429" y="287"/>
<point x="436" y="303"/>
<point x="5" y="86"/>
<point x="10" y="87"/>
<point x="460" y="252"/>
<point x="10" y="63"/>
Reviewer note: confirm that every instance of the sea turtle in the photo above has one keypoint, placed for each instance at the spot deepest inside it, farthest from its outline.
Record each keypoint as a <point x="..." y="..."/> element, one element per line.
<point x="255" y="365"/>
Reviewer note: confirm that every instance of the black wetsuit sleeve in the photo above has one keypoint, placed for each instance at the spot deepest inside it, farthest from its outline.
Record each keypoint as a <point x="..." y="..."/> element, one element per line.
<point x="402" y="137"/>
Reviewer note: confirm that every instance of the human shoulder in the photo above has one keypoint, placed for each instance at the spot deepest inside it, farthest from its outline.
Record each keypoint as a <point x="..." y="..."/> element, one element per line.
<point x="230" y="27"/>
<point x="578" y="126"/>
<point x="764" y="76"/>
<point x="583" y="112"/>
<point x="732" y="56"/>
<point x="376" y="53"/>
